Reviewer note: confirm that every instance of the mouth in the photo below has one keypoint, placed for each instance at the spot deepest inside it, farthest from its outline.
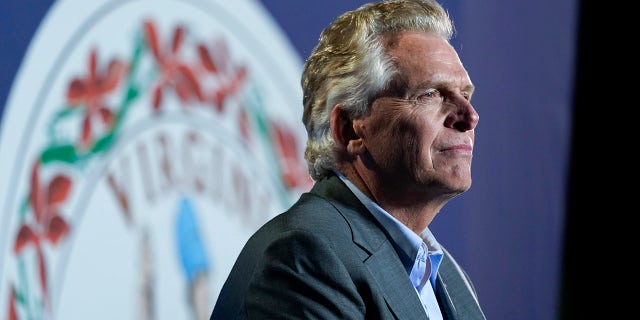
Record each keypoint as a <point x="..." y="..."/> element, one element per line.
<point x="458" y="149"/>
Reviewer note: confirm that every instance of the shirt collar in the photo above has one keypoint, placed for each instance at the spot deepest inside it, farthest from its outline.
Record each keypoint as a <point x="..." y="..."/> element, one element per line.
<point x="405" y="239"/>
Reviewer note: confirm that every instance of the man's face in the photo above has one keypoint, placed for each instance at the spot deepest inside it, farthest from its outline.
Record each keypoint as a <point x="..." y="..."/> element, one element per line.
<point x="421" y="134"/>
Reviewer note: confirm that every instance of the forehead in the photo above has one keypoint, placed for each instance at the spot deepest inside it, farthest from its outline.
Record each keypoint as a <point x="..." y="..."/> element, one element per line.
<point x="420" y="45"/>
<point x="419" y="56"/>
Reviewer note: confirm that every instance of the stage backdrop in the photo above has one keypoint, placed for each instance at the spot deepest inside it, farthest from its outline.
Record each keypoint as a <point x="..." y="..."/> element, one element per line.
<point x="142" y="142"/>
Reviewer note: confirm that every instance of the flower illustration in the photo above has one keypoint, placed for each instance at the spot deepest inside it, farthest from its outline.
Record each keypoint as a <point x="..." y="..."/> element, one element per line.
<point x="90" y="92"/>
<point x="49" y="225"/>
<point x="13" y="314"/>
<point x="293" y="171"/>
<point x="230" y="78"/>
<point x="175" y="73"/>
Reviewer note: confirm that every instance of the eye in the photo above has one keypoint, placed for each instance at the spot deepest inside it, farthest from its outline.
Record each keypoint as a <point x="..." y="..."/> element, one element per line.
<point x="429" y="95"/>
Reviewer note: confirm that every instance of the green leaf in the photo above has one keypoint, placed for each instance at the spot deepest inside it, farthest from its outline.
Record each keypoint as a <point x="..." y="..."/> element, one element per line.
<point x="65" y="153"/>
<point x="104" y="143"/>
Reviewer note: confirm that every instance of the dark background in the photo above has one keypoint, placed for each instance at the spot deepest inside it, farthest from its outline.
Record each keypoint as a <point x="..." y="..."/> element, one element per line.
<point x="516" y="231"/>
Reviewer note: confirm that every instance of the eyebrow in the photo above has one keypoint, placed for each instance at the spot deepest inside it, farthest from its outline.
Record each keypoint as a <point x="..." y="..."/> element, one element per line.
<point x="470" y="88"/>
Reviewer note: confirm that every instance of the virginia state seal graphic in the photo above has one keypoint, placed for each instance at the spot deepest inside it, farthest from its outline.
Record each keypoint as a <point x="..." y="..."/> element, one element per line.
<point x="142" y="143"/>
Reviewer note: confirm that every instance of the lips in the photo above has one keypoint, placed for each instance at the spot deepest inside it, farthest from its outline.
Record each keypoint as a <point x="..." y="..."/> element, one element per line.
<point x="463" y="149"/>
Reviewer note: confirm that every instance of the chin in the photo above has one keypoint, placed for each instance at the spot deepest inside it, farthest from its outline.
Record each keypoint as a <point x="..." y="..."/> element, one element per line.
<point x="461" y="186"/>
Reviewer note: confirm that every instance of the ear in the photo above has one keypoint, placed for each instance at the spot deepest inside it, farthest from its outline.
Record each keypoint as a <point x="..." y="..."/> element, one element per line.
<point x="345" y="131"/>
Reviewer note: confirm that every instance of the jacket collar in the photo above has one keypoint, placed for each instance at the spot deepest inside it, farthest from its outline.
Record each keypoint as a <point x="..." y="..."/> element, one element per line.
<point x="456" y="293"/>
<point x="378" y="253"/>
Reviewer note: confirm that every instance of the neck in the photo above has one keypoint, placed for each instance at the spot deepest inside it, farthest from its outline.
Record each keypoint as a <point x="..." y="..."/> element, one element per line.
<point x="414" y="206"/>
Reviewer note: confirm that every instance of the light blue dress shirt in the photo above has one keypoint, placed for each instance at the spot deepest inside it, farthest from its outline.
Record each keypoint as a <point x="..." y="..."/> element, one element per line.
<point x="424" y="251"/>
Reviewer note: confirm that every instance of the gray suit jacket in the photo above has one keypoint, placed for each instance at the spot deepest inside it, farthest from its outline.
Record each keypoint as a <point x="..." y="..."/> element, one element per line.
<point x="328" y="258"/>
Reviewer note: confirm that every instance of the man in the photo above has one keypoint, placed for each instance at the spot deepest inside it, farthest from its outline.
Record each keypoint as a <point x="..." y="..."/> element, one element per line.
<point x="390" y="139"/>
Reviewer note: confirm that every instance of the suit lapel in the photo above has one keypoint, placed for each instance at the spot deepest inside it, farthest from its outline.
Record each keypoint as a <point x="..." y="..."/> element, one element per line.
<point x="379" y="256"/>
<point x="394" y="283"/>
<point x="455" y="292"/>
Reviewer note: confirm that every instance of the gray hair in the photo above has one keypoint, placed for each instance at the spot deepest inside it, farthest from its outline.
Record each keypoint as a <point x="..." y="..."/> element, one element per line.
<point x="350" y="66"/>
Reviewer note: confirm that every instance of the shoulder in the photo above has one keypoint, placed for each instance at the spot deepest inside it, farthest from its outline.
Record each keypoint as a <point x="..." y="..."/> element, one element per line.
<point x="328" y="215"/>
<point x="327" y="206"/>
<point x="313" y="215"/>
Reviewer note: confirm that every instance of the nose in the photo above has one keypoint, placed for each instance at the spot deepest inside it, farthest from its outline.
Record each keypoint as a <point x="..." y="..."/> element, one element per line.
<point x="462" y="116"/>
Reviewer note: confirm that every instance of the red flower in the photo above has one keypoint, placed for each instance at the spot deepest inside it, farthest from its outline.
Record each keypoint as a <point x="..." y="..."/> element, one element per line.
<point x="293" y="170"/>
<point x="230" y="78"/>
<point x="175" y="73"/>
<point x="49" y="225"/>
<point x="90" y="92"/>
<point x="13" y="314"/>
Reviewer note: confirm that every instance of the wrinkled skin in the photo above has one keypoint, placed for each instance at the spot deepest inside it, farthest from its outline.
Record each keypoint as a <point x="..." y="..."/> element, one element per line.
<point x="413" y="152"/>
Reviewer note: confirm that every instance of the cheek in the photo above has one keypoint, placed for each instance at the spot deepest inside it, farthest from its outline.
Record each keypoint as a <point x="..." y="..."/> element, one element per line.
<point x="417" y="134"/>
<point x="386" y="139"/>
<point x="406" y="137"/>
